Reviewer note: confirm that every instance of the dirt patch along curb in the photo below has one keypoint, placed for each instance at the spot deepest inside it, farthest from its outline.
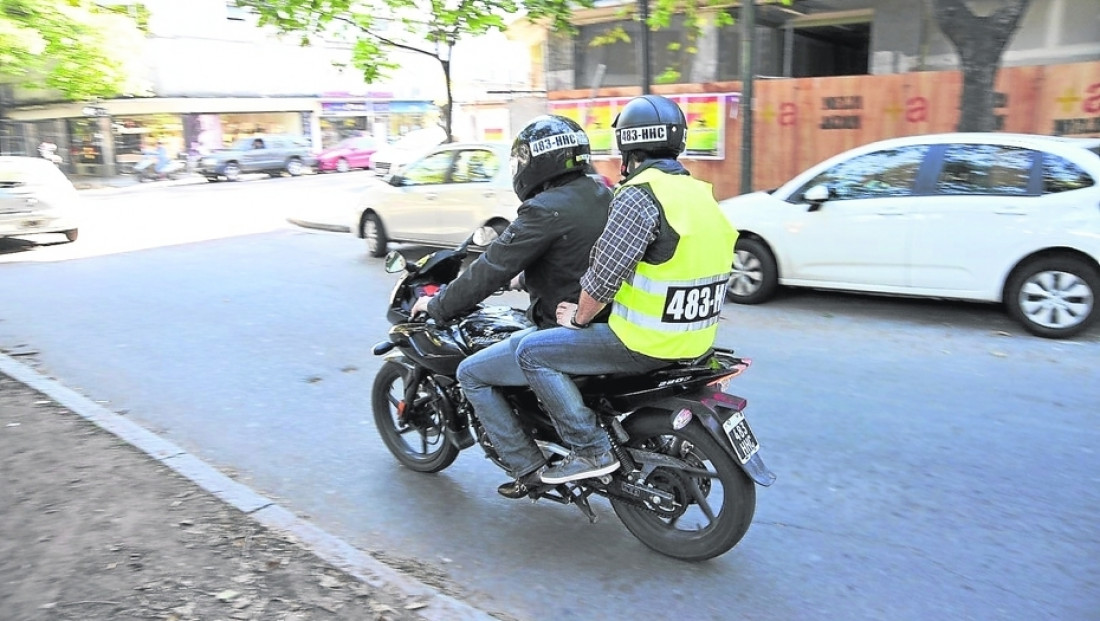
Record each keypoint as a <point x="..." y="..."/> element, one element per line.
<point x="92" y="528"/>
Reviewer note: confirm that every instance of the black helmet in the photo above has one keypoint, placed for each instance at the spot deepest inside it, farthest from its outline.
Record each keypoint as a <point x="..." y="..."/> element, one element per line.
<point x="652" y="124"/>
<point x="549" y="147"/>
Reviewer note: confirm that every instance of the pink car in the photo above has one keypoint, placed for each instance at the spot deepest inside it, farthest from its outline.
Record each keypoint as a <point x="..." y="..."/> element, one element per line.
<point x="350" y="153"/>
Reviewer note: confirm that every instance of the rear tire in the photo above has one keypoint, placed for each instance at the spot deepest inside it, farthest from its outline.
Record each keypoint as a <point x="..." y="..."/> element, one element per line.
<point x="232" y="172"/>
<point x="295" y="167"/>
<point x="755" y="276"/>
<point x="419" y="441"/>
<point x="729" y="494"/>
<point x="342" y="165"/>
<point x="1053" y="297"/>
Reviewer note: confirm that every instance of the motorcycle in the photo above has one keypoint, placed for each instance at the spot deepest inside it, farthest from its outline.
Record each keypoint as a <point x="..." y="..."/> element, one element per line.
<point x="689" y="459"/>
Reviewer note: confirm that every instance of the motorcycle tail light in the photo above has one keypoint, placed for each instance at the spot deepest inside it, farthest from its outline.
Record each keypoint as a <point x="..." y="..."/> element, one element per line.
<point x="737" y="369"/>
<point x="429" y="290"/>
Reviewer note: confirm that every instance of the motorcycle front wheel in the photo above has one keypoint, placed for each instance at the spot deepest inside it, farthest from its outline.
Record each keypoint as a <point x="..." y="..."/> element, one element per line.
<point x="714" y="501"/>
<point x="414" y="433"/>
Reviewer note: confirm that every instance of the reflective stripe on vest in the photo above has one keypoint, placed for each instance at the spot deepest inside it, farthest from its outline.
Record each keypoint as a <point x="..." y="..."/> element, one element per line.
<point x="671" y="310"/>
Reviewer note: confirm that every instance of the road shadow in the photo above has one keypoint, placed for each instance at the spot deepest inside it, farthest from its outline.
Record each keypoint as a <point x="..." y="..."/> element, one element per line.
<point x="15" y="245"/>
<point x="919" y="312"/>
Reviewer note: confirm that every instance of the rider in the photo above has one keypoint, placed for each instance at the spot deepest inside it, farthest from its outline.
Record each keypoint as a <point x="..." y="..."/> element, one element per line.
<point x="544" y="251"/>
<point x="662" y="265"/>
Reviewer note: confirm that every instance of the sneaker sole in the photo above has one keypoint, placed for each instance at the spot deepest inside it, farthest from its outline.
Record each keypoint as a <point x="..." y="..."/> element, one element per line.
<point x="582" y="475"/>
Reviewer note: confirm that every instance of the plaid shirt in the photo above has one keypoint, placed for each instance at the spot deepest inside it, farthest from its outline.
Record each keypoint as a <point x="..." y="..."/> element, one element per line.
<point x="632" y="225"/>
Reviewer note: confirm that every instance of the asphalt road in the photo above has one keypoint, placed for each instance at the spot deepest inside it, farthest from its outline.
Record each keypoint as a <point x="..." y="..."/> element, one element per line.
<point x="933" y="460"/>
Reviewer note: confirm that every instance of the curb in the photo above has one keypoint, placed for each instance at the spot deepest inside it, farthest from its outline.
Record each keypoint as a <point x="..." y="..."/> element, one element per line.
<point x="320" y="226"/>
<point x="263" y="510"/>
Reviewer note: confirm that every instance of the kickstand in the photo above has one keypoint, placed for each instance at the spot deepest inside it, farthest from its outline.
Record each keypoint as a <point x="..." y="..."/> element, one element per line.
<point x="580" y="499"/>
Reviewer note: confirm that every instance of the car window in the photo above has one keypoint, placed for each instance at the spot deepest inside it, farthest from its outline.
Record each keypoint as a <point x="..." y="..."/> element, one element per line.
<point x="429" y="170"/>
<point x="365" y="144"/>
<point x="985" y="169"/>
<point x="1062" y="175"/>
<point x="890" y="172"/>
<point x="473" y="165"/>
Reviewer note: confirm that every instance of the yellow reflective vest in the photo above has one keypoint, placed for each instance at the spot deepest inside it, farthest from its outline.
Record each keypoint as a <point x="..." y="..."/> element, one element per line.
<point x="670" y="310"/>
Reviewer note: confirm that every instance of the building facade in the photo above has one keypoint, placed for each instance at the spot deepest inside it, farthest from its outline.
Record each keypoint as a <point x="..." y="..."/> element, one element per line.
<point x="213" y="75"/>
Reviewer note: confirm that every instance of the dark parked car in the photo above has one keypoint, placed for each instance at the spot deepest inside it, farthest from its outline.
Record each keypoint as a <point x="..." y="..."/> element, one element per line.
<point x="273" y="154"/>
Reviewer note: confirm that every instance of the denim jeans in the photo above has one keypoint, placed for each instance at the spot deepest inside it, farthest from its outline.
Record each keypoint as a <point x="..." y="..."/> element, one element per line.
<point x="549" y="357"/>
<point x="496" y="366"/>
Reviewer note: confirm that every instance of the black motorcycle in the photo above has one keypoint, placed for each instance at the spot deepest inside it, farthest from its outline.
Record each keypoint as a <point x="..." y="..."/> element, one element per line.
<point x="688" y="457"/>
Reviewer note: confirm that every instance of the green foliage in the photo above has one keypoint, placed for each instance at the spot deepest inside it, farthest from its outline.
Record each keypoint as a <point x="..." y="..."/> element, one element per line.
<point x="428" y="27"/>
<point x="68" y="46"/>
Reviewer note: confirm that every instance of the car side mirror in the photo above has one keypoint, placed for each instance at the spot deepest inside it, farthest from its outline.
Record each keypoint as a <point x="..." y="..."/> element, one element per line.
<point x="396" y="180"/>
<point x="816" y="196"/>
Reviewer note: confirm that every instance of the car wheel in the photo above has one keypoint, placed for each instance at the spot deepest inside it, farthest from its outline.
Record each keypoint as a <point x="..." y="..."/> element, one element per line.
<point x="71" y="234"/>
<point x="375" y="235"/>
<point x="755" y="277"/>
<point x="1054" y="297"/>
<point x="294" y="167"/>
<point x="233" y="171"/>
<point x="342" y="165"/>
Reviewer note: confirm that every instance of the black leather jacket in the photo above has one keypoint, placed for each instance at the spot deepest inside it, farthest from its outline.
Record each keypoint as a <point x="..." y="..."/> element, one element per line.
<point x="549" y="242"/>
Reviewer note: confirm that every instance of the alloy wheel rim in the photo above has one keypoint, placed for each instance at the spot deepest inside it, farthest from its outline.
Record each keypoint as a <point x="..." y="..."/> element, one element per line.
<point x="747" y="274"/>
<point x="1056" y="300"/>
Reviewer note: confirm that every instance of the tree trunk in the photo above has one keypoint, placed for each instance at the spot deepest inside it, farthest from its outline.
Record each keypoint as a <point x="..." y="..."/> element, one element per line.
<point x="979" y="42"/>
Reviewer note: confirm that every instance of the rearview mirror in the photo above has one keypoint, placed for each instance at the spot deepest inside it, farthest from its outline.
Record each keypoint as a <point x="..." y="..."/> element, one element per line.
<point x="484" y="236"/>
<point x="395" y="262"/>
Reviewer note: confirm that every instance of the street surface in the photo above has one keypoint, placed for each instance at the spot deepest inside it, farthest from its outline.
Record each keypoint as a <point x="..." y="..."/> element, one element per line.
<point x="933" y="460"/>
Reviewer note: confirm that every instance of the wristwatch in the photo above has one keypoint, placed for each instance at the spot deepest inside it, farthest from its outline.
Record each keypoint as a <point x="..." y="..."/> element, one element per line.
<point x="579" y="326"/>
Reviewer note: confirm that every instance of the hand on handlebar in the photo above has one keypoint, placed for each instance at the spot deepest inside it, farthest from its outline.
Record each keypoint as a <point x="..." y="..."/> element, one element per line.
<point x="420" y="308"/>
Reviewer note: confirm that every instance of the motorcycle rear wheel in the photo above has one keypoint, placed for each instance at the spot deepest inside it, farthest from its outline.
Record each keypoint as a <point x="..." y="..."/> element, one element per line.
<point x="709" y="520"/>
<point x="418" y="439"/>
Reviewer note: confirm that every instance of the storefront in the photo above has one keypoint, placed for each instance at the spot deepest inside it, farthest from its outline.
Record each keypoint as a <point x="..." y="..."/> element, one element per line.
<point x="385" y="119"/>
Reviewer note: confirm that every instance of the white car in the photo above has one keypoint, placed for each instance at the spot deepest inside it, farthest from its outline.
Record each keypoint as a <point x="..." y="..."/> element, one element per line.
<point x="439" y="198"/>
<point x="992" y="217"/>
<point x="35" y="198"/>
<point x="390" y="158"/>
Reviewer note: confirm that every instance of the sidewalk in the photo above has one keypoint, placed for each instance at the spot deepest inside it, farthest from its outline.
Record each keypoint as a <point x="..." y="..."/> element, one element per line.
<point x="100" y="519"/>
<point x="127" y="181"/>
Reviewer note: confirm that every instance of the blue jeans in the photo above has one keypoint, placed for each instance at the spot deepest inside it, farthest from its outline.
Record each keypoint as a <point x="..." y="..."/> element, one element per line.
<point x="549" y="357"/>
<point x="496" y="366"/>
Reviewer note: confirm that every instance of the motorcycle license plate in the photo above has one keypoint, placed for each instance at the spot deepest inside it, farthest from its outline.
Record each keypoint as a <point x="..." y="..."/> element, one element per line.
<point x="744" y="443"/>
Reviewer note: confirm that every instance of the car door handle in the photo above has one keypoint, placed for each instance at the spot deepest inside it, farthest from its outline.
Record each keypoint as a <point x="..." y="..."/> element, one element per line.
<point x="1010" y="210"/>
<point x="890" y="211"/>
<point x="489" y="194"/>
<point x="431" y="197"/>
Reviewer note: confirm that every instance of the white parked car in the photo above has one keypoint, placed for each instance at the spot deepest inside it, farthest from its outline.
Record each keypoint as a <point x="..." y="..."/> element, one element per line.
<point x="36" y="197"/>
<point x="989" y="217"/>
<point x="439" y="198"/>
<point x="391" y="157"/>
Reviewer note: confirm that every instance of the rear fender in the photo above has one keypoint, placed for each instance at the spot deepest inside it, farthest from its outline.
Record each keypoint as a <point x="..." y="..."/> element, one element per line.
<point x="710" y="409"/>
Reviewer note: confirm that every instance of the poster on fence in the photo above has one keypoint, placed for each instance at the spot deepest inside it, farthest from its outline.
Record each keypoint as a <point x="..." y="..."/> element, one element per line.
<point x="706" y="118"/>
